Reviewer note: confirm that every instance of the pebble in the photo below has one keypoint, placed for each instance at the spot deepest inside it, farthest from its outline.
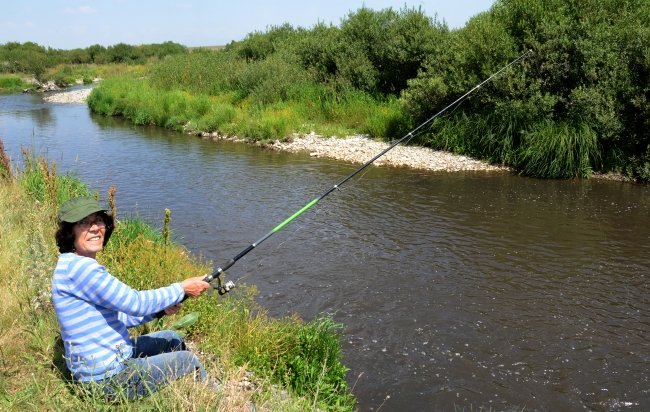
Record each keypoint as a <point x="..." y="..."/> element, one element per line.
<point x="71" y="96"/>
<point x="360" y="149"/>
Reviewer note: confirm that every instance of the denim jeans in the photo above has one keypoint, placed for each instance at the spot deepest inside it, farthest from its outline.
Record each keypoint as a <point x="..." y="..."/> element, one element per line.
<point x="158" y="358"/>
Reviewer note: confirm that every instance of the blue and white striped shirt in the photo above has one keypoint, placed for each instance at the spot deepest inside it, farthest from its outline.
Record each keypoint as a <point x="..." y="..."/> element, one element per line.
<point x="94" y="311"/>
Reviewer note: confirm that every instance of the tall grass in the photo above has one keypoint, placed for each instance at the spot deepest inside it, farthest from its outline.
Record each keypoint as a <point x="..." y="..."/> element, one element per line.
<point x="558" y="150"/>
<point x="302" y="108"/>
<point x="546" y="149"/>
<point x="40" y="180"/>
<point x="263" y="99"/>
<point x="33" y="375"/>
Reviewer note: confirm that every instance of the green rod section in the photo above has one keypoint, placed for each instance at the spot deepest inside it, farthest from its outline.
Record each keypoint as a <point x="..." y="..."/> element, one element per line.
<point x="295" y="215"/>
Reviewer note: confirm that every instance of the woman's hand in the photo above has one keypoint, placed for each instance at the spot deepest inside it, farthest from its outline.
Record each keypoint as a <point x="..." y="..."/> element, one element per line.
<point x="195" y="286"/>
<point x="172" y="309"/>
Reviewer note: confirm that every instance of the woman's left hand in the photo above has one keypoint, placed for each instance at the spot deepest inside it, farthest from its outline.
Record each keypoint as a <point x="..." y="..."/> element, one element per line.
<point x="172" y="309"/>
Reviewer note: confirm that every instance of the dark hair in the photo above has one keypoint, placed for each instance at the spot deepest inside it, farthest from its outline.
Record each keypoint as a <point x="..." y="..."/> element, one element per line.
<point x="65" y="233"/>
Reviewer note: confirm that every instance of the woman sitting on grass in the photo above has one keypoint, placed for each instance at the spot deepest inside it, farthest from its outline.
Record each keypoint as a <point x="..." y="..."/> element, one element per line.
<point x="95" y="309"/>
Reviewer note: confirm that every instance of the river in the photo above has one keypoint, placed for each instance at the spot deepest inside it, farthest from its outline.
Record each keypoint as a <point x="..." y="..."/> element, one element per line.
<point x="460" y="291"/>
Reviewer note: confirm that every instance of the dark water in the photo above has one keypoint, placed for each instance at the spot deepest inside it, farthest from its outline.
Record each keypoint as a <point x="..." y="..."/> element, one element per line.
<point x="457" y="291"/>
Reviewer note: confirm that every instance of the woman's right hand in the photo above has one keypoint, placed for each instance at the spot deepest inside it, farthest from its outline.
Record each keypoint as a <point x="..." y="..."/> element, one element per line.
<point x="195" y="286"/>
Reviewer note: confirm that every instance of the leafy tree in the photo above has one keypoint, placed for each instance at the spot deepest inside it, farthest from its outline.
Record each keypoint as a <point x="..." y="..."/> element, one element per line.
<point x="260" y="45"/>
<point x="95" y="51"/>
<point x="587" y="79"/>
<point x="317" y="50"/>
<point x="79" y="56"/>
<point x="123" y="53"/>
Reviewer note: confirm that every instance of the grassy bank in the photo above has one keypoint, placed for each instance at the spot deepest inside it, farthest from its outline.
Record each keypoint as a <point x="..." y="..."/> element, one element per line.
<point x="13" y="83"/>
<point x="296" y="365"/>
<point x="64" y="75"/>
<point x="308" y="107"/>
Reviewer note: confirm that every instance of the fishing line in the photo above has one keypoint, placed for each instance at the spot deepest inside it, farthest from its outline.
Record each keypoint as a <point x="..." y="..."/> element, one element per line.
<point x="224" y="288"/>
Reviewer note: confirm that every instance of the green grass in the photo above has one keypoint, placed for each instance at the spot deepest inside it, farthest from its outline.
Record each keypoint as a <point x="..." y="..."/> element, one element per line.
<point x="11" y="83"/>
<point x="297" y="365"/>
<point x="307" y="108"/>
<point x="305" y="357"/>
<point x="69" y="74"/>
<point x="546" y="149"/>
<point x="558" y="150"/>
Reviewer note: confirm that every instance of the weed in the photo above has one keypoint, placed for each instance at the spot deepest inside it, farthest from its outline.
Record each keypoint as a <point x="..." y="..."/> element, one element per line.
<point x="5" y="164"/>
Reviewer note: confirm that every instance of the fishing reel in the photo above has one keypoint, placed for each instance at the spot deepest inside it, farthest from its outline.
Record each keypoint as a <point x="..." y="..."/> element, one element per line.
<point x="224" y="288"/>
<point x="221" y="287"/>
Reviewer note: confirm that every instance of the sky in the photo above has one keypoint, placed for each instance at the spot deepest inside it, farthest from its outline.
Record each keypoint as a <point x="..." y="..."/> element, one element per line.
<point x="65" y="24"/>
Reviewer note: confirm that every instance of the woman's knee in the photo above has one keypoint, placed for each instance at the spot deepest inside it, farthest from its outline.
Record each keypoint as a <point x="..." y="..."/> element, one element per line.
<point x="175" y="340"/>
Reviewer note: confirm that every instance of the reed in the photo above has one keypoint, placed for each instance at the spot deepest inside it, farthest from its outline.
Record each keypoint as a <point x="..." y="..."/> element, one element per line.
<point x="166" y="231"/>
<point x="558" y="150"/>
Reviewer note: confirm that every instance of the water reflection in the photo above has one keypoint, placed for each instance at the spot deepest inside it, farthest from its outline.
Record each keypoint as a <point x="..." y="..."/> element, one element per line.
<point x="30" y="108"/>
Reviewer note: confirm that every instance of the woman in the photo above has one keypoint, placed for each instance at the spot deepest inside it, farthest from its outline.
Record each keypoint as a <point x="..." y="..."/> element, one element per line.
<point x="95" y="309"/>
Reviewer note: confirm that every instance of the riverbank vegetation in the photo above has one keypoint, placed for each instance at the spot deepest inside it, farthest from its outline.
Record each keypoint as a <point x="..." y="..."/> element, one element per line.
<point x="11" y="83"/>
<point x="275" y="364"/>
<point x="578" y="104"/>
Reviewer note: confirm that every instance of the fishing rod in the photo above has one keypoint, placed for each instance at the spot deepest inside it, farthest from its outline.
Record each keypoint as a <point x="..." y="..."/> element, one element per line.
<point x="224" y="288"/>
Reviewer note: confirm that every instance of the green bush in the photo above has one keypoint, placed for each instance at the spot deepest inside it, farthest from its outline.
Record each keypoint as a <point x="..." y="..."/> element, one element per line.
<point x="584" y="80"/>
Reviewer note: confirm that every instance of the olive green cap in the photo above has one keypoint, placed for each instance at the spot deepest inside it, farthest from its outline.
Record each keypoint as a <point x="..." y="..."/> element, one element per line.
<point x="78" y="208"/>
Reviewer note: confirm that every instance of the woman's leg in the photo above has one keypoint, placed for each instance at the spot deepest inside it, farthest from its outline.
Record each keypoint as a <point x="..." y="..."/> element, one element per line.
<point x="156" y="343"/>
<point x="145" y="375"/>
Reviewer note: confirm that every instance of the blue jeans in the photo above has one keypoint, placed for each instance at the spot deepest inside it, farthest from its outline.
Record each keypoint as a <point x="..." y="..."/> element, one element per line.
<point x="158" y="358"/>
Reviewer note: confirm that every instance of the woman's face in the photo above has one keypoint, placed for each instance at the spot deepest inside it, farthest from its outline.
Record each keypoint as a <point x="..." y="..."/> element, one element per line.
<point x="89" y="235"/>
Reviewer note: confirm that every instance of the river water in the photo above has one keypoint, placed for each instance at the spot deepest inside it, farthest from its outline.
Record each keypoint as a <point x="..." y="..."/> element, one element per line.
<point x="462" y="291"/>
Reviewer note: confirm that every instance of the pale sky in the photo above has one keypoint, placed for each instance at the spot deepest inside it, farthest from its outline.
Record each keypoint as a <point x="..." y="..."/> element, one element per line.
<point x="65" y="24"/>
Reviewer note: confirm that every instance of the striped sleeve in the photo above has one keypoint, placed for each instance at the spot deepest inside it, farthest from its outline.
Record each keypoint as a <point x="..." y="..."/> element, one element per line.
<point x="95" y="284"/>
